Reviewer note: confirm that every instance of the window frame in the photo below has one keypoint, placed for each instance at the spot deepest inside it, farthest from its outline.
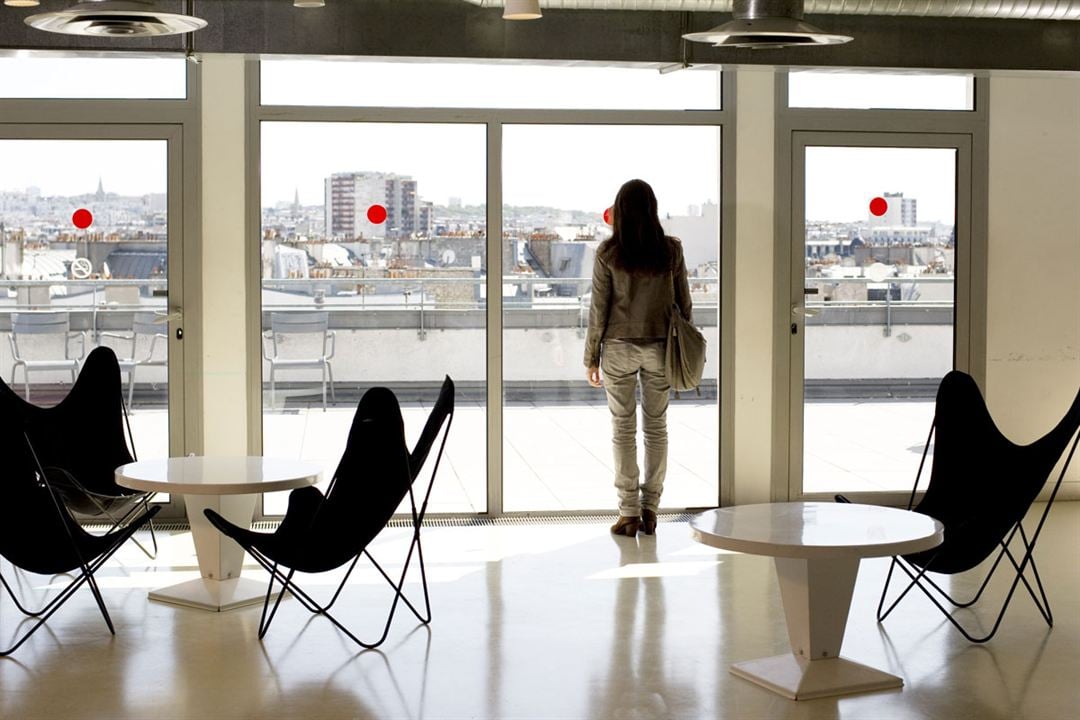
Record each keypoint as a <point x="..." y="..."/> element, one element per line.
<point x="177" y="122"/>
<point x="494" y="119"/>
<point x="970" y="127"/>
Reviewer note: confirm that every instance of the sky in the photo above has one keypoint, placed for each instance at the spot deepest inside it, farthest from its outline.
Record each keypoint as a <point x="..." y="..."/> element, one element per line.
<point x="72" y="167"/>
<point x="841" y="181"/>
<point x="572" y="167"/>
<point x="36" y="75"/>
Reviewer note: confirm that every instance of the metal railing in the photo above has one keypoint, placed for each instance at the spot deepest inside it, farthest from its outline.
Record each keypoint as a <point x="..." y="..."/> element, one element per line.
<point x="815" y="304"/>
<point x="87" y="301"/>
<point x="566" y="300"/>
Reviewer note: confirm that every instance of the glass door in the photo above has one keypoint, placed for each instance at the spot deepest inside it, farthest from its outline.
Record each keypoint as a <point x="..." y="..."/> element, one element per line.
<point x="879" y="238"/>
<point x="558" y="183"/>
<point x="90" y="233"/>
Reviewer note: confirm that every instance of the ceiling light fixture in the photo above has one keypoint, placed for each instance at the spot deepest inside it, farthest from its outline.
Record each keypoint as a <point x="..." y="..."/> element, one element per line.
<point x="22" y="3"/>
<point x="767" y="24"/>
<point x="522" y="10"/>
<point x="115" y="18"/>
<point x="309" y="3"/>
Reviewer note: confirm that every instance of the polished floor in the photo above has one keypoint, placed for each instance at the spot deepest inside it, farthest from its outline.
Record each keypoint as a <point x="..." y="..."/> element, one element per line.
<point x="535" y="621"/>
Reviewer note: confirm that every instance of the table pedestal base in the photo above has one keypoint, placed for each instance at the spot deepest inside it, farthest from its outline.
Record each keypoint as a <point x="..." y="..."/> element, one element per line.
<point x="213" y="595"/>
<point x="220" y="558"/>
<point x="801" y="679"/>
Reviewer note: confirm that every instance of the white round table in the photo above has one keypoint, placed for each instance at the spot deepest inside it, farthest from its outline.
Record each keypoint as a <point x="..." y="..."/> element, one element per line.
<point x="229" y="486"/>
<point x="817" y="547"/>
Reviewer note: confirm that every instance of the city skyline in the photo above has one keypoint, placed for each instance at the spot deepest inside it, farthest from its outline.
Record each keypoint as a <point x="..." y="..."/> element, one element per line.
<point x="840" y="182"/>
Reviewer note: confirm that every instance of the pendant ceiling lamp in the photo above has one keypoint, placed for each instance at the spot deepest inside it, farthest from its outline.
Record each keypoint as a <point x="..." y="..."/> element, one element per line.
<point x="522" y="10"/>
<point x="115" y="18"/>
<point x="767" y="24"/>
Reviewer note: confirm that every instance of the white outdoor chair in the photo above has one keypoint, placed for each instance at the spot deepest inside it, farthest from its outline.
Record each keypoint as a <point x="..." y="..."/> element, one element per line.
<point x="41" y="324"/>
<point x="289" y="327"/>
<point x="147" y="328"/>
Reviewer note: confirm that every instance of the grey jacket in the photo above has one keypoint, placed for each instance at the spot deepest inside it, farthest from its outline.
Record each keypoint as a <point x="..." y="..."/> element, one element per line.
<point x="633" y="306"/>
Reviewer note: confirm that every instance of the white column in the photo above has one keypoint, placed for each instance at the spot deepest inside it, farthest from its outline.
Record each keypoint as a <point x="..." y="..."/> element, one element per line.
<point x="754" y="279"/>
<point x="223" y="233"/>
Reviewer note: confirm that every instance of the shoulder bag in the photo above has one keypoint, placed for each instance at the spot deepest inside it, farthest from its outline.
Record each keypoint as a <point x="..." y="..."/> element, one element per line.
<point x="685" y="353"/>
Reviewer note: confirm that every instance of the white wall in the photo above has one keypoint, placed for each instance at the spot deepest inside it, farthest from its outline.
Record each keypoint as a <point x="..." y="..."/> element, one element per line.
<point x="389" y="355"/>
<point x="864" y="352"/>
<point x="1033" y="336"/>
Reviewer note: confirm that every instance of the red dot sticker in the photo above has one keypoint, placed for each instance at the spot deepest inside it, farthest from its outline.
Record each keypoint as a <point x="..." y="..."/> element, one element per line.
<point x="82" y="218"/>
<point x="879" y="206"/>
<point x="607" y="216"/>
<point x="376" y="214"/>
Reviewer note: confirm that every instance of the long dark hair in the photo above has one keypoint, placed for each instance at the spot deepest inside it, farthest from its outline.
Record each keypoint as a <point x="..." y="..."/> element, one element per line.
<point x="638" y="243"/>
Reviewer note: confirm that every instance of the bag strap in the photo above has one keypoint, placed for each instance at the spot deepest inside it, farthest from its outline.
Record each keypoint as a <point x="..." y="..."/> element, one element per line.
<point x="674" y="296"/>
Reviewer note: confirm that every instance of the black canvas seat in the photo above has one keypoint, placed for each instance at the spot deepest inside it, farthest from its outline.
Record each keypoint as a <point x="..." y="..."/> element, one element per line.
<point x="981" y="487"/>
<point x="81" y="441"/>
<point x="324" y="532"/>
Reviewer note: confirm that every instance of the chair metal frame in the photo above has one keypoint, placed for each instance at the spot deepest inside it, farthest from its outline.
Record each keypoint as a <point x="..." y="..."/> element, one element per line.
<point x="300" y="323"/>
<point x="86" y="568"/>
<point x="918" y="575"/>
<point x="143" y="324"/>
<point x="44" y="323"/>
<point x="285" y="578"/>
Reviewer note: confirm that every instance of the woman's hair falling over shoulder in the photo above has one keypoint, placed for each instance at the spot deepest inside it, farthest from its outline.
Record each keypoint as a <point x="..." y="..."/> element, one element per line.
<point x="638" y="243"/>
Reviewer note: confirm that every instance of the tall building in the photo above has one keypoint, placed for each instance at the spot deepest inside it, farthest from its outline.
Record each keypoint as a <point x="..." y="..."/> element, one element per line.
<point x="900" y="211"/>
<point x="425" y="218"/>
<point x="348" y="196"/>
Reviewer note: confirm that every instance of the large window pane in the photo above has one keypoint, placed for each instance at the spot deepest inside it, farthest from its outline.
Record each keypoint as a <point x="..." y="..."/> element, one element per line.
<point x="877" y="90"/>
<point x="83" y="240"/>
<point x="558" y="181"/>
<point x="373" y="257"/>
<point x="880" y="266"/>
<point x="44" y="76"/>
<point x="369" y="83"/>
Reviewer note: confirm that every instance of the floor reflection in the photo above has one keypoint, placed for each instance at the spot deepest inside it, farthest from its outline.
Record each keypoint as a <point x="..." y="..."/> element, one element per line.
<point x="560" y="622"/>
<point x="638" y="683"/>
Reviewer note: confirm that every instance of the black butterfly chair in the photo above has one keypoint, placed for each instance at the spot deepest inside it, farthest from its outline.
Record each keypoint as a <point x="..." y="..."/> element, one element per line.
<point x="981" y="487"/>
<point x="321" y="533"/>
<point x="81" y="442"/>
<point x="40" y="536"/>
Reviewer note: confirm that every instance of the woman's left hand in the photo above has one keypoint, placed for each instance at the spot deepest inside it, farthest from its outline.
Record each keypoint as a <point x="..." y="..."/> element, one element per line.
<point x="593" y="376"/>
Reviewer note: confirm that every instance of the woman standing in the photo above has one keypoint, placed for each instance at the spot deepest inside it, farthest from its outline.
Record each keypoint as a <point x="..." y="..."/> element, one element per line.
<point x="637" y="274"/>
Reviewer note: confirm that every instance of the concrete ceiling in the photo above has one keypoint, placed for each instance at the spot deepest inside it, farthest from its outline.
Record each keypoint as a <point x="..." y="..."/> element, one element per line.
<point x="460" y="28"/>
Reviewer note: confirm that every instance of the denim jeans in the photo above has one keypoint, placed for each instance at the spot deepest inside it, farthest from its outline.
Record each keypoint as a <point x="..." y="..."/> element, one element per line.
<point x="623" y="364"/>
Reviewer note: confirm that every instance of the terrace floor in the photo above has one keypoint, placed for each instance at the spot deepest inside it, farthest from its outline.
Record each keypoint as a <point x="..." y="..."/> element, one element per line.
<point x="557" y="456"/>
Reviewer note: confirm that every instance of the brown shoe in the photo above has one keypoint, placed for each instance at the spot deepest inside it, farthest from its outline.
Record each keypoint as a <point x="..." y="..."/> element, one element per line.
<point x="627" y="526"/>
<point x="648" y="522"/>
